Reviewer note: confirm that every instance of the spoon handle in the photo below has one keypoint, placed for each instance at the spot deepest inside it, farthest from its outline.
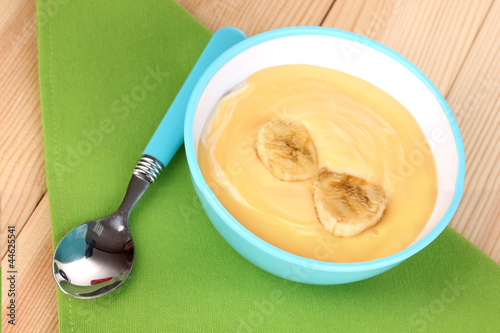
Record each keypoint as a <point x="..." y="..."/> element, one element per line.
<point x="169" y="135"/>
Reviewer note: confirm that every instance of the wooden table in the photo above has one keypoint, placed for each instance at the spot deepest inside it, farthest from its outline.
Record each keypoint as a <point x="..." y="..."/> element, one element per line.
<point x="455" y="43"/>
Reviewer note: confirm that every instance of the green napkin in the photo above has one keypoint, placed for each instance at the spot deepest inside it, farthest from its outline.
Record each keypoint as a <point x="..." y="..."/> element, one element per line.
<point x="108" y="72"/>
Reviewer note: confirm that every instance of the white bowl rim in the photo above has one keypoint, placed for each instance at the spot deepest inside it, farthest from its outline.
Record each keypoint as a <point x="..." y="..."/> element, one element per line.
<point x="272" y="250"/>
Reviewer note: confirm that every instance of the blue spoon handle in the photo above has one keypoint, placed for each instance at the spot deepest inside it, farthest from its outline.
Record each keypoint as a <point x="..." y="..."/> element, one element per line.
<point x="169" y="135"/>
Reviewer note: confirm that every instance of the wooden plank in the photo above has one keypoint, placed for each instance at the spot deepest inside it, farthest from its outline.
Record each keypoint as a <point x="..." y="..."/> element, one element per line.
<point x="258" y="15"/>
<point x="36" y="307"/>
<point x="22" y="171"/>
<point x="434" y="35"/>
<point x="475" y="99"/>
<point x="467" y="93"/>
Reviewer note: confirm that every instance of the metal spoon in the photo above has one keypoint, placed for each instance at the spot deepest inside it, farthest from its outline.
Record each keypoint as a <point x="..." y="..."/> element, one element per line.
<point x="97" y="256"/>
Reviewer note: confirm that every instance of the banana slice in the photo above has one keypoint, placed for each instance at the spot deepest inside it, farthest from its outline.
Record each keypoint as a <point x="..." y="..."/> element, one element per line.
<point x="287" y="150"/>
<point x="346" y="205"/>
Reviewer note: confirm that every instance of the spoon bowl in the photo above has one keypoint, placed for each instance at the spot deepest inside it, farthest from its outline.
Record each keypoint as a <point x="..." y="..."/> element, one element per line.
<point x="97" y="256"/>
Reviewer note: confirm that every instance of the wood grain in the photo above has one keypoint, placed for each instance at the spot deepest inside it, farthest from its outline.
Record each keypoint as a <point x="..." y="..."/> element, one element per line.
<point x="475" y="99"/>
<point x="35" y="288"/>
<point x="435" y="35"/>
<point x="22" y="170"/>
<point x="257" y="16"/>
<point x="455" y="43"/>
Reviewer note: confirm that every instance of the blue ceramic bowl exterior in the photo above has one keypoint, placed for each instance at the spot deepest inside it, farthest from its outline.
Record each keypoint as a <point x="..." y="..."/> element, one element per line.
<point x="269" y="257"/>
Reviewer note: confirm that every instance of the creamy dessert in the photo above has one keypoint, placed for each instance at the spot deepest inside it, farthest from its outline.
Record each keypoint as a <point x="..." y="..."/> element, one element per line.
<point x="319" y="163"/>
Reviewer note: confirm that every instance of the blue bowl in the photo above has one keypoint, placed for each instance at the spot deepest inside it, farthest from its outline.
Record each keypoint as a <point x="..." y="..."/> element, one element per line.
<point x="356" y="55"/>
